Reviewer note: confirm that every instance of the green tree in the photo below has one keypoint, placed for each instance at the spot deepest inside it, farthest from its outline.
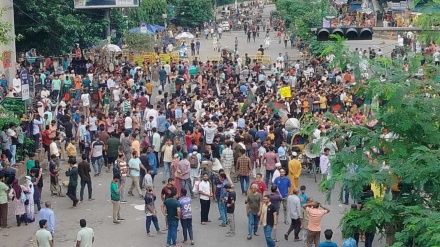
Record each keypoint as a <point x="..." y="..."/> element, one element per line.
<point x="5" y="28"/>
<point x="54" y="28"/>
<point x="299" y="18"/>
<point x="409" y="158"/>
<point x="138" y="42"/>
<point x="194" y="12"/>
<point x="149" y="11"/>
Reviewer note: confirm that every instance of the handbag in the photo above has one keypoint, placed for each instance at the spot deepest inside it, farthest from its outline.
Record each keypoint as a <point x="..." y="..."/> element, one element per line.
<point x="23" y="197"/>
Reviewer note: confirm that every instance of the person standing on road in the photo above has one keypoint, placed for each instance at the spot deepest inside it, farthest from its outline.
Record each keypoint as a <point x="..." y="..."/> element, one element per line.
<point x="120" y="169"/>
<point x="171" y="210"/>
<point x="3" y="202"/>
<point x="112" y="149"/>
<point x="85" y="236"/>
<point x="244" y="167"/>
<point x="184" y="169"/>
<point x="284" y="185"/>
<point x="294" y="168"/>
<point x="186" y="220"/>
<point x="253" y="210"/>
<point x="134" y="166"/>
<point x="115" y="197"/>
<point x="205" y="198"/>
<point x="315" y="212"/>
<point x="150" y="211"/>
<point x="48" y="215"/>
<point x="84" y="173"/>
<point x="230" y="199"/>
<point x="294" y="208"/>
<point x="43" y="236"/>
<point x="268" y="220"/>
<point x="72" y="173"/>
<point x="97" y="152"/>
<point x="167" y="151"/>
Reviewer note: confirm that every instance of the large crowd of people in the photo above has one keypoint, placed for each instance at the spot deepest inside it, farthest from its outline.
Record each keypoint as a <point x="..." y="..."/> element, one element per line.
<point x="209" y="131"/>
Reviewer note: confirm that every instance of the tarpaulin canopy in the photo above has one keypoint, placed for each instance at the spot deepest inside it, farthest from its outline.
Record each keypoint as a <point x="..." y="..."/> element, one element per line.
<point x="148" y="29"/>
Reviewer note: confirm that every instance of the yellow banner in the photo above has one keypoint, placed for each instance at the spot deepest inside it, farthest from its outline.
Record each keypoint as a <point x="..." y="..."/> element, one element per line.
<point x="285" y="92"/>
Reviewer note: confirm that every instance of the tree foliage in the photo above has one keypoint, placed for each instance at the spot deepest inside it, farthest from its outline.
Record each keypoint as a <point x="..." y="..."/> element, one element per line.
<point x="300" y="18"/>
<point x="194" y="12"/>
<point x="53" y="28"/>
<point x="5" y="27"/>
<point x="430" y="19"/>
<point x="138" y="42"/>
<point x="149" y="11"/>
<point x="409" y="111"/>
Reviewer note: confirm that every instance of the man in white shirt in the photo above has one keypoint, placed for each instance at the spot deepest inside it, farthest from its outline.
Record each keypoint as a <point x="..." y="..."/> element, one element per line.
<point x="85" y="236"/>
<point x="324" y="163"/>
<point x="110" y="82"/>
<point x="128" y="125"/>
<point x="16" y="83"/>
<point x="152" y="113"/>
<point x="210" y="130"/>
<point x="436" y="58"/>
<point x="205" y="195"/>
<point x="294" y="209"/>
<point x="85" y="98"/>
<point x="43" y="236"/>
<point x="45" y="93"/>
<point x="198" y="107"/>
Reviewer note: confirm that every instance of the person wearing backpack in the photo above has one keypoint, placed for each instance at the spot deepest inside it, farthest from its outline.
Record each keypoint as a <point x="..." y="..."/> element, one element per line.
<point x="184" y="169"/>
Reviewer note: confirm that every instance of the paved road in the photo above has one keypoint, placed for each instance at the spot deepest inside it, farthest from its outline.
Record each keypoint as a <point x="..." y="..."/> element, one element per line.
<point x="131" y="233"/>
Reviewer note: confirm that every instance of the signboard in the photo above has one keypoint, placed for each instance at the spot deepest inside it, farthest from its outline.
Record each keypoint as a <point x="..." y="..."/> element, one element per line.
<point x="285" y="92"/>
<point x="24" y="77"/>
<point x="14" y="105"/>
<point x="7" y="59"/>
<point x="105" y="4"/>
<point x="143" y="27"/>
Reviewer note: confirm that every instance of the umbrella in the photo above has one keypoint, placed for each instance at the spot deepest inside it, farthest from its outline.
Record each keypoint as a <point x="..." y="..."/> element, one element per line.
<point x="112" y="48"/>
<point x="185" y="35"/>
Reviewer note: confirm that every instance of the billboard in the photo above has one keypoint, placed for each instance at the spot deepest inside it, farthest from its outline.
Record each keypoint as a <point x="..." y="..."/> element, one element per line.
<point x="105" y="4"/>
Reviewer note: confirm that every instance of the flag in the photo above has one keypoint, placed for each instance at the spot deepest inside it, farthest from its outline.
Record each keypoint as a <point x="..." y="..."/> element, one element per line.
<point x="250" y="99"/>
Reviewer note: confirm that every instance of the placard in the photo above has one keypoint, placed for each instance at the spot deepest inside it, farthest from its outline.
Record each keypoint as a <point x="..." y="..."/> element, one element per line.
<point x="285" y="92"/>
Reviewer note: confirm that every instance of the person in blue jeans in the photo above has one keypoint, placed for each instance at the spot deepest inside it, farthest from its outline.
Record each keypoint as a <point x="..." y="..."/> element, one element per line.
<point x="171" y="210"/>
<point x="253" y="205"/>
<point x="162" y="77"/>
<point x="221" y="194"/>
<point x="151" y="212"/>
<point x="268" y="220"/>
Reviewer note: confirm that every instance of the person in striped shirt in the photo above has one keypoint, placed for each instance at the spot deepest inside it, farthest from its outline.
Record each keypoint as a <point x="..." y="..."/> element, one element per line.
<point x="123" y="169"/>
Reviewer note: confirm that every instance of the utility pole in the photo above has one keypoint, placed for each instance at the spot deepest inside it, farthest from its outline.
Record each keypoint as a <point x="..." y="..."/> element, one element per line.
<point x="108" y="29"/>
<point x="11" y="66"/>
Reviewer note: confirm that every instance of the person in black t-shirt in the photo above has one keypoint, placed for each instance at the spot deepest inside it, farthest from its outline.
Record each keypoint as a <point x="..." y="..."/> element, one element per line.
<point x="268" y="219"/>
<point x="230" y="208"/>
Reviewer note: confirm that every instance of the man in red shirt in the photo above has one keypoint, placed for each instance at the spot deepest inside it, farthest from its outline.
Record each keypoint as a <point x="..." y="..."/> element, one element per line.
<point x="45" y="137"/>
<point x="260" y="183"/>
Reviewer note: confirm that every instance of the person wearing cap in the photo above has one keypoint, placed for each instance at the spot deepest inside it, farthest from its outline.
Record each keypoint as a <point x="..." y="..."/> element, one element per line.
<point x="294" y="171"/>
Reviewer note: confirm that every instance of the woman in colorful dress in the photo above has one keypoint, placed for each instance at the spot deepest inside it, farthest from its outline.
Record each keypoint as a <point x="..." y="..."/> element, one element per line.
<point x="17" y="201"/>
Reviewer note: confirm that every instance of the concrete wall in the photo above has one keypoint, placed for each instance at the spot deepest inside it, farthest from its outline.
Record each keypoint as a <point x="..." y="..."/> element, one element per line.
<point x="9" y="17"/>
